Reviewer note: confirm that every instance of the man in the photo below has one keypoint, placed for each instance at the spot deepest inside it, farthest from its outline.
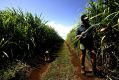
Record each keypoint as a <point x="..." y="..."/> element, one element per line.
<point x="86" y="41"/>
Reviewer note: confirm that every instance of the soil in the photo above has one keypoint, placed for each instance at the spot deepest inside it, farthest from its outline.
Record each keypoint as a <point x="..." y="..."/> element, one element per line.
<point x="39" y="72"/>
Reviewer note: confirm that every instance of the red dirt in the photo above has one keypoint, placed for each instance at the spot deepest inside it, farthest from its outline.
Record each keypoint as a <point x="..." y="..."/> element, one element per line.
<point x="77" y="67"/>
<point x="38" y="73"/>
<point x="76" y="63"/>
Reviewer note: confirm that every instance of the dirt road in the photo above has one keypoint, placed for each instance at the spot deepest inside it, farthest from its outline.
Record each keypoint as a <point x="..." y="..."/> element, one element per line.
<point x="65" y="67"/>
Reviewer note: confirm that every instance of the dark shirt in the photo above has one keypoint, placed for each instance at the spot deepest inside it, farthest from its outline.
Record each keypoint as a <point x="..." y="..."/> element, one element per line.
<point x="87" y="38"/>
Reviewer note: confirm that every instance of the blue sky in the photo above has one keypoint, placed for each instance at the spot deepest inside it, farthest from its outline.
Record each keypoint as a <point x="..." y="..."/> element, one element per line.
<point x="60" y="14"/>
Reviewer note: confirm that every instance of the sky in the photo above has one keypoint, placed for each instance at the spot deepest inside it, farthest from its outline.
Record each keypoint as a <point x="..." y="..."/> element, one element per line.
<point x="60" y="14"/>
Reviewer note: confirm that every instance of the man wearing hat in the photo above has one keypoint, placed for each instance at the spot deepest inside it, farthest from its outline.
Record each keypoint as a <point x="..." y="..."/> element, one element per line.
<point x="86" y="41"/>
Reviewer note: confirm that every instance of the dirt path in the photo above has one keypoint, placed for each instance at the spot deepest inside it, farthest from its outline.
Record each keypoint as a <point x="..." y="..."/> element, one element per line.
<point x="65" y="67"/>
<point x="76" y="64"/>
<point x="61" y="68"/>
<point x="39" y="72"/>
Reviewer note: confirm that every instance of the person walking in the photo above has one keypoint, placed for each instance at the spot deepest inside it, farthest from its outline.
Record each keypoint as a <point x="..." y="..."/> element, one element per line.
<point x="86" y="41"/>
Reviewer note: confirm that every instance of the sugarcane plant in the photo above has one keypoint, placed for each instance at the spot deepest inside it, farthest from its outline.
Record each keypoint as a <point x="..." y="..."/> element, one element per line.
<point x="103" y="16"/>
<point x="25" y="37"/>
<point x="105" y="13"/>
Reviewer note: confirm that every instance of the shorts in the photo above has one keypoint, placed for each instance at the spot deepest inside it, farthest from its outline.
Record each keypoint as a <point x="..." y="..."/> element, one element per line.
<point x="88" y="46"/>
<point x="82" y="47"/>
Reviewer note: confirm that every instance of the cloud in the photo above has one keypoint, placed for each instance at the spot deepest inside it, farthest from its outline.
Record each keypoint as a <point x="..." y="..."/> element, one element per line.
<point x="61" y="29"/>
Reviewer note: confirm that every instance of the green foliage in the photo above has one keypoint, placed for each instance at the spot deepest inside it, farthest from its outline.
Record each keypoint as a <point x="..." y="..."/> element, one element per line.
<point x="103" y="11"/>
<point x="26" y="38"/>
<point x="104" y="14"/>
<point x="71" y="38"/>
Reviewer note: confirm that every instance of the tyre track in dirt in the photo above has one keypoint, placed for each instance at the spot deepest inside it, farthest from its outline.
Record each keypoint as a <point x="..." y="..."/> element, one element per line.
<point x="75" y="62"/>
<point x="38" y="72"/>
<point x="57" y="70"/>
<point x="61" y="68"/>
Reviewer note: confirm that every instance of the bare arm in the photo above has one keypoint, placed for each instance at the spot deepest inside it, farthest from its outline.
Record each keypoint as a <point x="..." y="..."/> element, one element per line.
<point x="79" y="36"/>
